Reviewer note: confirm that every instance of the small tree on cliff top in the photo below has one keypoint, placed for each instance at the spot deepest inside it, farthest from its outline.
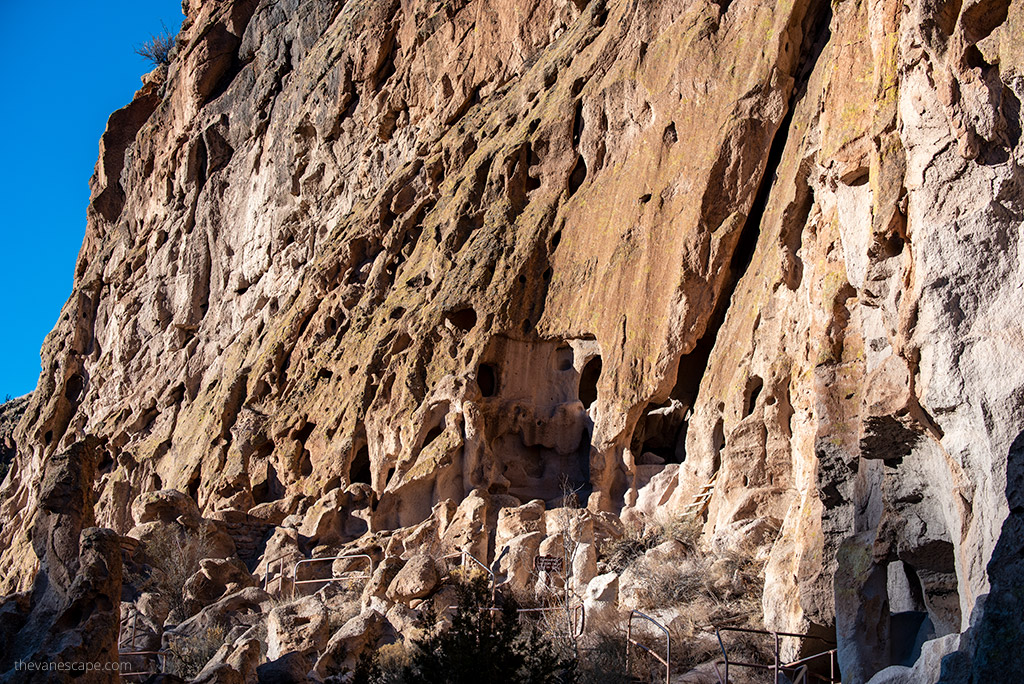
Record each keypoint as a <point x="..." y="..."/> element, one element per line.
<point x="158" y="48"/>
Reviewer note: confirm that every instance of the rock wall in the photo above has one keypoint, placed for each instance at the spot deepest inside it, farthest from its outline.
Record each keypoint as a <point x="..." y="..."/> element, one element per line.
<point x="364" y="262"/>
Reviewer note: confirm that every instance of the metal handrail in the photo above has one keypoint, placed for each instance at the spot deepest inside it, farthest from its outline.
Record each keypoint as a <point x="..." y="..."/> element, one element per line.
<point x="776" y="666"/>
<point x="666" y="661"/>
<point x="464" y="555"/>
<point x="160" y="659"/>
<point x="279" y="578"/>
<point x="333" y="577"/>
<point x="134" y="619"/>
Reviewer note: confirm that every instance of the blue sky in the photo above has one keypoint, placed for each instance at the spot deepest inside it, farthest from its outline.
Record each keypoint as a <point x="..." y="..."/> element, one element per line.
<point x="64" y="67"/>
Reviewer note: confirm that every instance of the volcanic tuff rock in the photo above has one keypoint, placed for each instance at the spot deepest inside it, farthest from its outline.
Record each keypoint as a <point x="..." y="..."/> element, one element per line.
<point x="369" y="273"/>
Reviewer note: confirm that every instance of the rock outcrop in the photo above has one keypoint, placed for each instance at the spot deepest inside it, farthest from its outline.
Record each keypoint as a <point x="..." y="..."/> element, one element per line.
<point x="399" y="280"/>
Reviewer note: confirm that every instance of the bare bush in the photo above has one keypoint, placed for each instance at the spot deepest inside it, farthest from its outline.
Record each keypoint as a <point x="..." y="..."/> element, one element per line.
<point x="190" y="654"/>
<point x="174" y="555"/>
<point x="158" y="48"/>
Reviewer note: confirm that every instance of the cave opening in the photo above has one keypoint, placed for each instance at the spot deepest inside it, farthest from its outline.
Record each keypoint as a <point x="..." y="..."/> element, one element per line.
<point x="106" y="463"/>
<point x="193" y="486"/>
<point x="359" y="471"/>
<point x="753" y="389"/>
<point x="270" y="489"/>
<point x="589" y="377"/>
<point x="717" y="446"/>
<point x="433" y="433"/>
<point x="577" y="176"/>
<point x="306" y="463"/>
<point x="564" y="357"/>
<point x="487" y="379"/>
<point x="463" y="319"/>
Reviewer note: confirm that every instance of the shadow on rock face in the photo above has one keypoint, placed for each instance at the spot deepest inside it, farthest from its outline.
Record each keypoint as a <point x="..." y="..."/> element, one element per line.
<point x="1000" y="629"/>
<point x="72" y="615"/>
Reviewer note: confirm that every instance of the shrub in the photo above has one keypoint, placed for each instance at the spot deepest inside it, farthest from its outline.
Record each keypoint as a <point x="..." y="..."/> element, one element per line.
<point x="175" y="556"/>
<point x="190" y="654"/>
<point x="603" y="659"/>
<point x="158" y="48"/>
<point x="478" y="645"/>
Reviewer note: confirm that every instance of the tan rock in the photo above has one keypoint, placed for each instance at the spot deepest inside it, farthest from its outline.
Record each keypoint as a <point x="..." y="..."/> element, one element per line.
<point x="350" y="641"/>
<point x="416" y="579"/>
<point x="300" y="626"/>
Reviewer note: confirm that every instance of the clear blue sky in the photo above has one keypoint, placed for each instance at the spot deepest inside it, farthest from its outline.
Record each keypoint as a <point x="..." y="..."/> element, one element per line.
<point x="64" y="67"/>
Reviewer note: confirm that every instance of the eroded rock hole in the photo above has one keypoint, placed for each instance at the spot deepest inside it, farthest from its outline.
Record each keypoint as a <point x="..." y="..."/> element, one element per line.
<point x="73" y="388"/>
<point x="717" y="446"/>
<point x="462" y="319"/>
<point x="660" y="435"/>
<point x="433" y="433"/>
<point x="577" y="124"/>
<point x="589" y="377"/>
<point x="359" y="471"/>
<point x="564" y="358"/>
<point x="270" y="489"/>
<point x="670" y="137"/>
<point x="487" y="379"/>
<point x="306" y="463"/>
<point x="106" y="463"/>
<point x="193" y="487"/>
<point x="578" y="175"/>
<point x="754" y="386"/>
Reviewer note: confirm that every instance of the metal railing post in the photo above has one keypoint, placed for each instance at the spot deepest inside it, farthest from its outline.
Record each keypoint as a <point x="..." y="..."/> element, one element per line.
<point x="776" y="635"/>
<point x="667" y="660"/>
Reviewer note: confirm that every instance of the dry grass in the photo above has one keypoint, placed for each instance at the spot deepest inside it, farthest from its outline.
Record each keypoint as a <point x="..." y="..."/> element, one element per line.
<point x="620" y="553"/>
<point x="691" y="593"/>
<point x="174" y="555"/>
<point x="190" y="654"/>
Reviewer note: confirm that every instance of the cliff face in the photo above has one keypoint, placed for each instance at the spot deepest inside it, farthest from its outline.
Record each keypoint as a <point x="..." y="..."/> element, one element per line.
<point x="365" y="262"/>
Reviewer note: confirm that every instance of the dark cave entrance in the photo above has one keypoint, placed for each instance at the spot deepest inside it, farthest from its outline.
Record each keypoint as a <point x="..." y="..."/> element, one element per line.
<point x="589" y="377"/>
<point x="359" y="471"/>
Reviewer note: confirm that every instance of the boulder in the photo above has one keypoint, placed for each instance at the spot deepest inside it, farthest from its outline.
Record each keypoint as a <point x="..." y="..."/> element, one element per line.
<point x="516" y="565"/>
<point x="416" y="579"/>
<point x="666" y="551"/>
<point x="600" y="600"/>
<point x="216" y="578"/>
<point x="239" y="658"/>
<point x="345" y="645"/>
<point x="515" y="522"/>
<point x="300" y="626"/>
<point x="291" y="668"/>
<point x="165" y="506"/>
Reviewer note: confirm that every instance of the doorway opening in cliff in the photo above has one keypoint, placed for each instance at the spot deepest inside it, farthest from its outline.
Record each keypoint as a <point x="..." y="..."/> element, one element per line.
<point x="589" y="377"/>
<point x="750" y="394"/>
<point x="360" y="472"/>
<point x="193" y="486"/>
<point x="269" y="489"/>
<point x="487" y="379"/>
<point x="717" y="446"/>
